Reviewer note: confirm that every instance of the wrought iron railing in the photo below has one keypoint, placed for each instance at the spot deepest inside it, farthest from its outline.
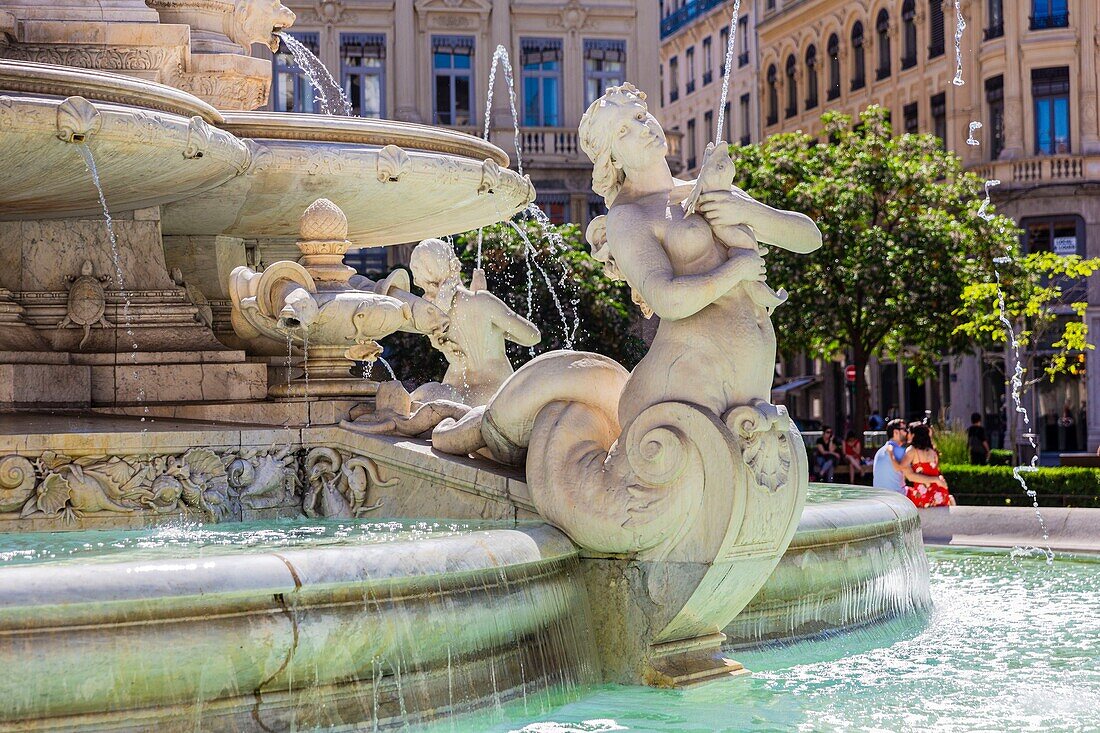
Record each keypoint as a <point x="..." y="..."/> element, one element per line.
<point x="685" y="14"/>
<point x="1050" y="20"/>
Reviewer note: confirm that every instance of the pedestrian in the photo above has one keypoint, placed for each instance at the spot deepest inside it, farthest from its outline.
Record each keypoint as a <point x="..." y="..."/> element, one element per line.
<point x="889" y="469"/>
<point x="876" y="421"/>
<point x="826" y="455"/>
<point x="977" y="441"/>
<point x="922" y="458"/>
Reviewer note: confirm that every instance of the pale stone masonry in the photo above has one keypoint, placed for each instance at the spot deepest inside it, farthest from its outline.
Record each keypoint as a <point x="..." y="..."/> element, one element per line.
<point x="1030" y="73"/>
<point x="429" y="61"/>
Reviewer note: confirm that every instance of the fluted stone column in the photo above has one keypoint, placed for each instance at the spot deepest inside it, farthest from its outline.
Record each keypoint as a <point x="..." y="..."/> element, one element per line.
<point x="405" y="62"/>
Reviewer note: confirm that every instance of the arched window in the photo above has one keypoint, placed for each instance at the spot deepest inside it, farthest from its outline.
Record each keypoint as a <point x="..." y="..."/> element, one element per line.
<point x="792" y="86"/>
<point x="996" y="14"/>
<point x="811" y="77"/>
<point x="935" y="28"/>
<point x="833" y="49"/>
<point x="859" y="65"/>
<point x="908" y="34"/>
<point x="773" y="96"/>
<point x="882" y="28"/>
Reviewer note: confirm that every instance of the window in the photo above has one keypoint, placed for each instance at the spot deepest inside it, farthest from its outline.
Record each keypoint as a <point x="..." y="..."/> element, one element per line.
<point x="452" y="60"/>
<point x="727" y="124"/>
<point x="811" y="77"/>
<point x="1049" y="14"/>
<point x="773" y="95"/>
<point x="661" y="82"/>
<point x="859" y="68"/>
<point x="673" y="79"/>
<point x="770" y="5"/>
<point x="369" y="261"/>
<point x="908" y="34"/>
<point x="746" y="118"/>
<point x="290" y="90"/>
<point x="689" y="59"/>
<point x="724" y="37"/>
<point x="833" y="49"/>
<point x="708" y="122"/>
<point x="708" y="60"/>
<point x="1050" y="91"/>
<point x="604" y="64"/>
<point x="909" y="117"/>
<point x="996" y="14"/>
<point x="362" y="72"/>
<point x="691" y="150"/>
<point x="938" y="103"/>
<point x="742" y="41"/>
<point x="1062" y="235"/>
<point x="541" y="63"/>
<point x="882" y="28"/>
<point x="935" y="28"/>
<point x="792" y="87"/>
<point x="995" y="99"/>
<point x="555" y="206"/>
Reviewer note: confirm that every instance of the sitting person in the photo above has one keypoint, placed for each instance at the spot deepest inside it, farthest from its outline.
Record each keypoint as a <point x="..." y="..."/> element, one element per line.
<point x="923" y="459"/>
<point x="826" y="455"/>
<point x="853" y="454"/>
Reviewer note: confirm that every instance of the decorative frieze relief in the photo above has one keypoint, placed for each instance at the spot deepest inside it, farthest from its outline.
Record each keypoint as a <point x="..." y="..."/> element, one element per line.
<point x="216" y="486"/>
<point x="106" y="58"/>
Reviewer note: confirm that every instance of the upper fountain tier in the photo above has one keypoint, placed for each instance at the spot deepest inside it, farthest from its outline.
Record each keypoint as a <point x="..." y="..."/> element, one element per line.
<point x="246" y="174"/>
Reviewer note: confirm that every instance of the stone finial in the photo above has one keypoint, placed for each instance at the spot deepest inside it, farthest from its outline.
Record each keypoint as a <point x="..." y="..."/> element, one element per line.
<point x="323" y="221"/>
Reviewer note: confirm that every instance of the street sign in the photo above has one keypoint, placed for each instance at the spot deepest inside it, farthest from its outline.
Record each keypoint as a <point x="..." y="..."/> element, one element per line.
<point x="850" y="373"/>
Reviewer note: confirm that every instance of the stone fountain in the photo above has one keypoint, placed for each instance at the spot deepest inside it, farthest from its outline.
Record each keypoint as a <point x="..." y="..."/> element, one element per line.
<point x="163" y="376"/>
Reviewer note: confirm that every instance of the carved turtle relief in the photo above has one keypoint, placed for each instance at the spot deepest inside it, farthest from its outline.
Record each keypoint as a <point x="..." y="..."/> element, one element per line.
<point x="87" y="302"/>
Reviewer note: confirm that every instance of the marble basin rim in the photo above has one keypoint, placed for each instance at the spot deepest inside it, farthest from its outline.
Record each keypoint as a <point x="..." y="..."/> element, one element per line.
<point x="397" y="182"/>
<point x="151" y="143"/>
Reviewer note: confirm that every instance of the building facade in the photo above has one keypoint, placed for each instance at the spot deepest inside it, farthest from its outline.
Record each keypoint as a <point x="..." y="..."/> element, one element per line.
<point x="429" y="61"/>
<point x="1029" y="76"/>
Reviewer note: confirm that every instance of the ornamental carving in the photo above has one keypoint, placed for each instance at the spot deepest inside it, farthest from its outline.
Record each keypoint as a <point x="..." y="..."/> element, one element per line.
<point x="226" y="92"/>
<point x="490" y="176"/>
<point x="393" y="162"/>
<point x="339" y="487"/>
<point x="198" y="138"/>
<point x="77" y="120"/>
<point x="112" y="58"/>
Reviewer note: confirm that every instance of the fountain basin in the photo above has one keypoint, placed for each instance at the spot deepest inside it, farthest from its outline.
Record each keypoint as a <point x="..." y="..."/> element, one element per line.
<point x="382" y="173"/>
<point x="356" y="625"/>
<point x="857" y="558"/>
<point x="152" y="143"/>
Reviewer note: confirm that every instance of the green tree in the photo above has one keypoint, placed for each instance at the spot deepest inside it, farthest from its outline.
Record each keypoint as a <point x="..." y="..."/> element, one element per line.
<point x="902" y="238"/>
<point x="598" y="313"/>
<point x="1044" y="302"/>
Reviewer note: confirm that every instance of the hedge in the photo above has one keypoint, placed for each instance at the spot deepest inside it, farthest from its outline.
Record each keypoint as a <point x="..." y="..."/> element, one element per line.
<point x="996" y="486"/>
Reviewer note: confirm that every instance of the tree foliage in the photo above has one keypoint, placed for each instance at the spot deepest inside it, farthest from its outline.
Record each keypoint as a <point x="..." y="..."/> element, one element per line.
<point x="902" y="239"/>
<point x="598" y="313"/>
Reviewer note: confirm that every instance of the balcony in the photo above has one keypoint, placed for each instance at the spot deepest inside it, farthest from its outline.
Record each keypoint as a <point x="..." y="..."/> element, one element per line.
<point x="1050" y="170"/>
<point x="683" y="16"/>
<point x="544" y="143"/>
<point x="1051" y="20"/>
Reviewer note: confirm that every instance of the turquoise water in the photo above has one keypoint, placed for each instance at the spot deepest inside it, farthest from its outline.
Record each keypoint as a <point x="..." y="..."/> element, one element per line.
<point x="1012" y="645"/>
<point x="193" y="539"/>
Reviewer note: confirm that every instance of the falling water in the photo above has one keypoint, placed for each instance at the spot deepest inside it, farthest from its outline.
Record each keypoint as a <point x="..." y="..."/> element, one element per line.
<point x="116" y="257"/>
<point x="501" y="56"/>
<point x="388" y="368"/>
<point x="960" y="26"/>
<point x="567" y="333"/>
<point x="726" y="76"/>
<point x="329" y="94"/>
<point x="1017" y="381"/>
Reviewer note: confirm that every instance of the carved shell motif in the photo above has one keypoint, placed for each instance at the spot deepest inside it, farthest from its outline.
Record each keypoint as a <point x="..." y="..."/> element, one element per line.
<point x="490" y="176"/>
<point x="198" y="138"/>
<point x="16" y="482"/>
<point x="393" y="162"/>
<point x="77" y="120"/>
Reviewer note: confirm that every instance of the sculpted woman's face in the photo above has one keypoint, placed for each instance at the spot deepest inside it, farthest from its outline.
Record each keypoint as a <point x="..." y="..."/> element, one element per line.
<point x="638" y="140"/>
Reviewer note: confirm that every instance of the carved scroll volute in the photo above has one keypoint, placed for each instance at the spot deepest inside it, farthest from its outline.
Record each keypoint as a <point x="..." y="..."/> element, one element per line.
<point x="17" y="482"/>
<point x="198" y="138"/>
<point x="393" y="162"/>
<point x="77" y="120"/>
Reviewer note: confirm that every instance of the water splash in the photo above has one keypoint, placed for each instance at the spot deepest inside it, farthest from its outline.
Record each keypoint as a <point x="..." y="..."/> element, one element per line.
<point x="330" y="95"/>
<point x="116" y="258"/>
<point x="730" y="44"/>
<point x="388" y="368"/>
<point x="983" y="210"/>
<point x="529" y="249"/>
<point x="970" y="139"/>
<point x="960" y="26"/>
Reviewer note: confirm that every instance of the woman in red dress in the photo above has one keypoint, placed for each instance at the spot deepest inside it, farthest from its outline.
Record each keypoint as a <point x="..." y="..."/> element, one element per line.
<point x="923" y="458"/>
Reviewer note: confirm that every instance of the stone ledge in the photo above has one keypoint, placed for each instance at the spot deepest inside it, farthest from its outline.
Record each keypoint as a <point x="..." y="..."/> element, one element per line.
<point x="1071" y="530"/>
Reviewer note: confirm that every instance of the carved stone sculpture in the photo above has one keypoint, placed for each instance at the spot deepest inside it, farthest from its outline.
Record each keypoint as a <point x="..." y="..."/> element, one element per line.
<point x="87" y="302"/>
<point x="316" y="304"/>
<point x="264" y="479"/>
<point x="337" y="487"/>
<point x="681" y="468"/>
<point x="479" y="325"/>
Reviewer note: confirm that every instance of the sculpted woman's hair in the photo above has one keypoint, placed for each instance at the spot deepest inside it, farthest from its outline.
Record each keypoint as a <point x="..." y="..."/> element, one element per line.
<point x="596" y="134"/>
